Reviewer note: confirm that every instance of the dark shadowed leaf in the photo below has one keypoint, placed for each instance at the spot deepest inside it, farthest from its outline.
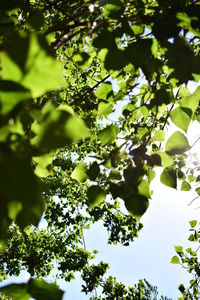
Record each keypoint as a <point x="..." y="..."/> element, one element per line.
<point x="137" y="205"/>
<point x="93" y="171"/>
<point x="16" y="291"/>
<point x="41" y="290"/>
<point x="96" y="195"/>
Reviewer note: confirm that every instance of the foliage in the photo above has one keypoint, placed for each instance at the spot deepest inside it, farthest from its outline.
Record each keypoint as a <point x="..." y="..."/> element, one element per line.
<point x="66" y="148"/>
<point x="189" y="260"/>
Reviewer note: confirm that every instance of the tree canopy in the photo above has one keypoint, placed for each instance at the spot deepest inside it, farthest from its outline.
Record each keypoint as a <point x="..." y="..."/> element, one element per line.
<point x="88" y="90"/>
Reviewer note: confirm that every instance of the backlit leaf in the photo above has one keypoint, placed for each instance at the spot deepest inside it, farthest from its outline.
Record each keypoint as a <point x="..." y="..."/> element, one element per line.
<point x="177" y="144"/>
<point x="57" y="128"/>
<point x="108" y="135"/>
<point x="159" y="135"/>
<point x="181" y="117"/>
<point x="80" y="172"/>
<point x="191" y="102"/>
<point x="28" y="61"/>
<point x="11" y="94"/>
<point x="185" y="186"/>
<point x="168" y="177"/>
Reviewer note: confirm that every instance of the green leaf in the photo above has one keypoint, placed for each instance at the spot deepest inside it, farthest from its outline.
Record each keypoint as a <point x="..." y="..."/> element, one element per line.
<point x="143" y="188"/>
<point x="178" y="249"/>
<point x="168" y="177"/>
<point x="36" y="19"/>
<point x="137" y="205"/>
<point x="138" y="29"/>
<point x="185" y="186"/>
<point x="177" y="144"/>
<point x="80" y="172"/>
<point x="57" y="128"/>
<point x="108" y="134"/>
<point x="117" y="190"/>
<point x="93" y="171"/>
<point x="105" y="39"/>
<point x="104" y="91"/>
<point x="193" y="223"/>
<point x="115" y="60"/>
<point x="41" y="290"/>
<point x="114" y="9"/>
<point x="139" y="54"/>
<point x="21" y="189"/>
<point x="181" y="288"/>
<point x="191" y="178"/>
<point x="27" y="60"/>
<point x="166" y="160"/>
<point x="96" y="195"/>
<point x="43" y="168"/>
<point x="11" y="94"/>
<point x="198" y="191"/>
<point x="114" y="175"/>
<point x="105" y="108"/>
<point x="175" y="260"/>
<point x="181" y="117"/>
<point x="159" y="135"/>
<point x="151" y="175"/>
<point x="144" y="111"/>
<point x="191" y="102"/>
<point x="16" y="291"/>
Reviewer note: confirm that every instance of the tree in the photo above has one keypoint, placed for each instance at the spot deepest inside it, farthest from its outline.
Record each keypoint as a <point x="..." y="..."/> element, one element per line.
<point x="65" y="66"/>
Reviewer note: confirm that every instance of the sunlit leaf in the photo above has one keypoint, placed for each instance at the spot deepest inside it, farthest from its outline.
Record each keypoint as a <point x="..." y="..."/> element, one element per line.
<point x="104" y="90"/>
<point x="113" y="9"/>
<point x="175" y="260"/>
<point x="178" y="249"/>
<point x="193" y="223"/>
